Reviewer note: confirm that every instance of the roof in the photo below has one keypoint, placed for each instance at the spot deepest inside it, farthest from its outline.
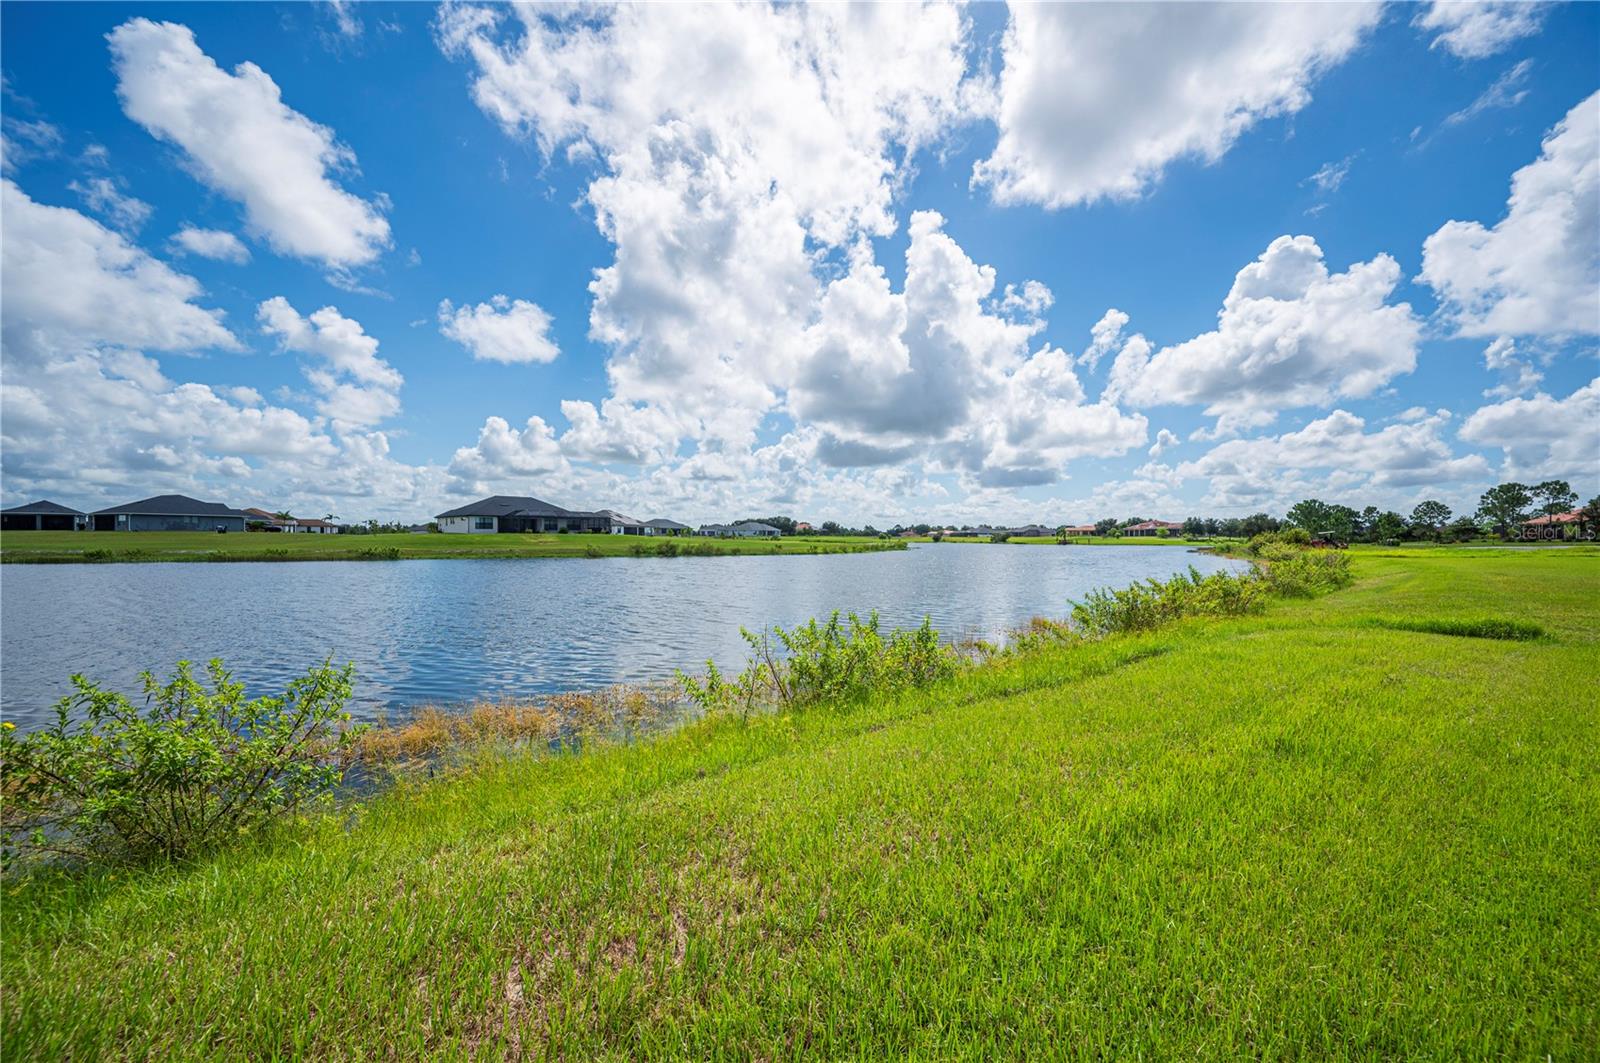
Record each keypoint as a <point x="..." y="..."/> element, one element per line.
<point x="662" y="522"/>
<point x="510" y="506"/>
<point x="262" y="514"/>
<point x="314" y="522"/>
<point x="1570" y="517"/>
<point x="755" y="525"/>
<point x="174" y="506"/>
<point x="44" y="507"/>
<point x="620" y="518"/>
<point x="1149" y="524"/>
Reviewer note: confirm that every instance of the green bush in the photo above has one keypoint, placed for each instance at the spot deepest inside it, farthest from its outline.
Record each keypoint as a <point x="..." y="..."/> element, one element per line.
<point x="835" y="663"/>
<point x="191" y="769"/>
<point x="1291" y="537"/>
<point x="1153" y="603"/>
<point x="1309" y="572"/>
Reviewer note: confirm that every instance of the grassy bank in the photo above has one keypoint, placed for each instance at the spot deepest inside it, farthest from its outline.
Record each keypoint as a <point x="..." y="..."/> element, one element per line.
<point x="1301" y="834"/>
<point x="99" y="547"/>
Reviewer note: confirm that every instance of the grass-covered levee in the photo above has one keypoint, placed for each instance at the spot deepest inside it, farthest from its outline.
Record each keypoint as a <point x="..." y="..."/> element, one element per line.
<point x="1295" y="820"/>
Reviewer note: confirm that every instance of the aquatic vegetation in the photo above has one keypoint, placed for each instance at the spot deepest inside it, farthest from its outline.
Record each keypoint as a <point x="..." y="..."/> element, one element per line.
<point x="195" y="767"/>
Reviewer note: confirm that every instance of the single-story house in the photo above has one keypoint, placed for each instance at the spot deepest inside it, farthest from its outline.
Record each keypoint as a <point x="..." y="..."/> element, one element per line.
<point x="260" y="520"/>
<point x="1154" y="527"/>
<point x="1079" y="529"/>
<point x="755" y="529"/>
<point x="745" y="529"/>
<point x="1032" y="531"/>
<point x="169" y="513"/>
<point x="42" y="515"/>
<point x="663" y="526"/>
<point x="519" y="513"/>
<point x="1554" y="526"/>
<point x="315" y="526"/>
<point x="621" y="524"/>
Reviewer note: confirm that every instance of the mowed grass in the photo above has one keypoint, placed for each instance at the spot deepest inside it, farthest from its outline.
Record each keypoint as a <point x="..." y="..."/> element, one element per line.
<point x="72" y="547"/>
<point x="1298" y="835"/>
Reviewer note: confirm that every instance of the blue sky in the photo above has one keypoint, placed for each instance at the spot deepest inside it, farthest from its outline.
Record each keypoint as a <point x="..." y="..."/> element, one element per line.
<point x="708" y="263"/>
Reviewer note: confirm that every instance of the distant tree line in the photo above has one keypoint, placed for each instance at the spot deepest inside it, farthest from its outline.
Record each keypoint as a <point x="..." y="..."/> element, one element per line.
<point x="1502" y="510"/>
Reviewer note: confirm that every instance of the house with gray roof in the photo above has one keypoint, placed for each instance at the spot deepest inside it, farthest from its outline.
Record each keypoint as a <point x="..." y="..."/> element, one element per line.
<point x="169" y="513"/>
<point x="662" y="526"/>
<point x="744" y="529"/>
<point x="519" y="513"/>
<point x="42" y="515"/>
<point x="622" y="524"/>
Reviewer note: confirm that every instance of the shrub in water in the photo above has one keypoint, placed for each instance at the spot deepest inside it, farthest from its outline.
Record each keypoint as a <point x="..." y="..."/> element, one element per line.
<point x="832" y="663"/>
<point x="192" y="768"/>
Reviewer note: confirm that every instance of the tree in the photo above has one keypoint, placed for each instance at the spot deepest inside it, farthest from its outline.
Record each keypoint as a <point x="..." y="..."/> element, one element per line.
<point x="1430" y="516"/>
<point x="1312" y="514"/>
<point x="1366" y="525"/>
<point x="1591" y="511"/>
<point x="1554" y="496"/>
<point x="1104" y="526"/>
<point x="1256" y="523"/>
<point x="1504" y="507"/>
<point x="1194" y="528"/>
<point x="1388" y="526"/>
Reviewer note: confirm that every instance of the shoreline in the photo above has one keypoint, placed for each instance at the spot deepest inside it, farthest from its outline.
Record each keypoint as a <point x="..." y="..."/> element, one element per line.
<point x="90" y="548"/>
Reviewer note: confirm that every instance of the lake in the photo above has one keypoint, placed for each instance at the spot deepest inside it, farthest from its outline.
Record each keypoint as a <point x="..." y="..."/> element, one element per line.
<point x="452" y="631"/>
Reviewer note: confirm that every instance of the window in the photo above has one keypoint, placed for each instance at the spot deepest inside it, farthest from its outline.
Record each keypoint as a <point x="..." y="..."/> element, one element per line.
<point x="483" y="523"/>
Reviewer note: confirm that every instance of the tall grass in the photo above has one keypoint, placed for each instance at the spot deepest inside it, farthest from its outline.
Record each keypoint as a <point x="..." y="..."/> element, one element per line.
<point x="833" y="663"/>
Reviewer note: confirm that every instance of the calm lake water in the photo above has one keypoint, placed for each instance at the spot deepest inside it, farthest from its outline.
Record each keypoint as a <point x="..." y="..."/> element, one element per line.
<point x="451" y="631"/>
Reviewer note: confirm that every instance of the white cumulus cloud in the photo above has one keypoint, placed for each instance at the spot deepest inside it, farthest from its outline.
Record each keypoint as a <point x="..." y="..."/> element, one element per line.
<point x="1096" y="100"/>
<point x="1289" y="334"/>
<point x="210" y="243"/>
<point x="1537" y="271"/>
<point x="241" y="139"/>
<point x="357" y="387"/>
<point x="1542" y="437"/>
<point x="1473" y="29"/>
<point x="501" y="330"/>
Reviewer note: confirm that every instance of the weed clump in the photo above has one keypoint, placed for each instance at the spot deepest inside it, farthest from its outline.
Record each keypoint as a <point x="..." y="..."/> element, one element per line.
<point x="834" y="663"/>
<point x="1465" y="627"/>
<point x="1151" y="604"/>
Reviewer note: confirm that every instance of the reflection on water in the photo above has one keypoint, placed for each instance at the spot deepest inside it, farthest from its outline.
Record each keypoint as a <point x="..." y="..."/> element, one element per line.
<point x="449" y="631"/>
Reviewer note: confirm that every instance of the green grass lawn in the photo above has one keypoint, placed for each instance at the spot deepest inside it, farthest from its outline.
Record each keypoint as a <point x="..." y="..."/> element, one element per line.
<point x="69" y="547"/>
<point x="1295" y="835"/>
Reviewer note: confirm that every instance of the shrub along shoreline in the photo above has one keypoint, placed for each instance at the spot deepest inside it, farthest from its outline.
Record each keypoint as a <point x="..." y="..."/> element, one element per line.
<point x="1029" y="849"/>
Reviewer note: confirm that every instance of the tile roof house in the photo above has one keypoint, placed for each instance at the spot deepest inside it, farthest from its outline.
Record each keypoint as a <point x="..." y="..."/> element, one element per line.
<point x="1153" y="527"/>
<point x="42" y="515"/>
<point x="1574" y="516"/>
<point x="169" y="513"/>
